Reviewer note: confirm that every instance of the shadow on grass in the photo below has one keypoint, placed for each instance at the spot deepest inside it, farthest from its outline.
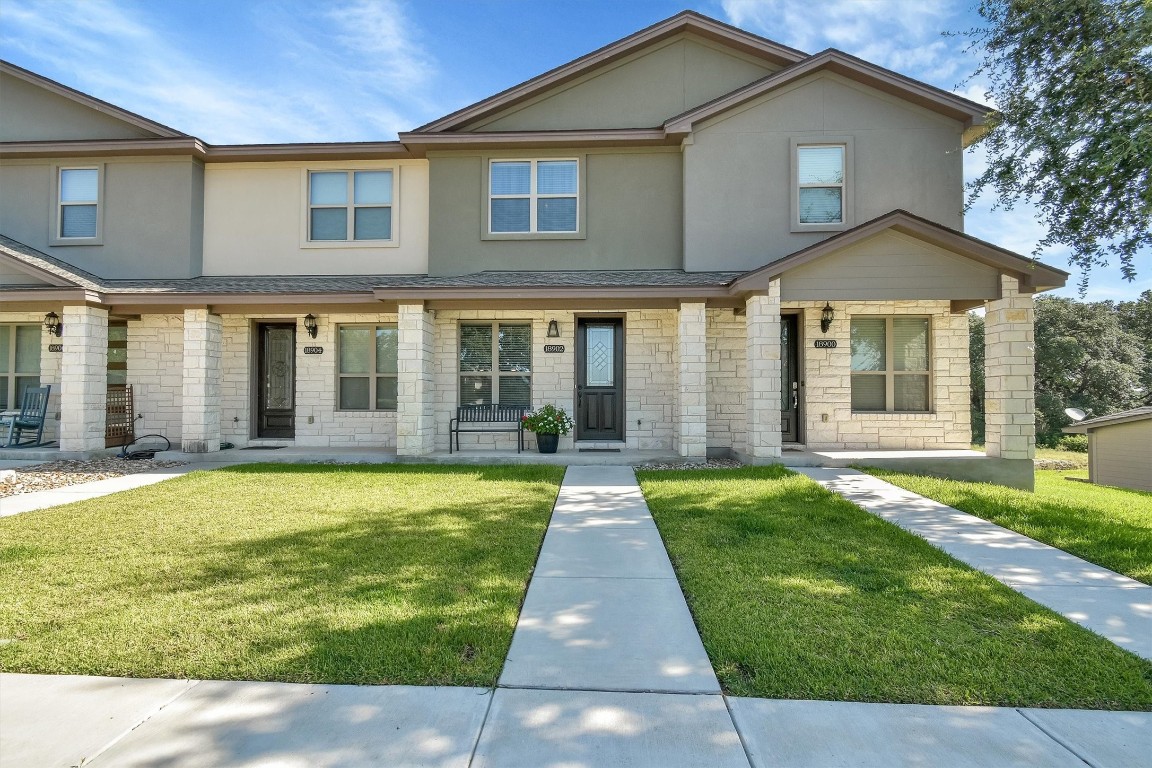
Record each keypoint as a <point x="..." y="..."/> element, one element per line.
<point x="302" y="581"/>
<point x="800" y="594"/>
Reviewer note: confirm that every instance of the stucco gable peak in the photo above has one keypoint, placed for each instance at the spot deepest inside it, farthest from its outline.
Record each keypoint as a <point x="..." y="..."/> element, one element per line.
<point x="1032" y="274"/>
<point x="685" y="21"/>
<point x="970" y="113"/>
<point x="91" y="102"/>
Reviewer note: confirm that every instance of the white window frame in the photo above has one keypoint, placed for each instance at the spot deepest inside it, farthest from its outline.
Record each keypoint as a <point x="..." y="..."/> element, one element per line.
<point x="846" y="197"/>
<point x="533" y="196"/>
<point x="371" y="375"/>
<point x="306" y="240"/>
<point x="10" y="375"/>
<point x="890" y="373"/>
<point x="56" y="220"/>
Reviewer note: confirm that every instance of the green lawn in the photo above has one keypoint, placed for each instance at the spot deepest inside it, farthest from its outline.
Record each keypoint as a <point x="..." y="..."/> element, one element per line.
<point x="798" y="594"/>
<point x="335" y="574"/>
<point x="1111" y="527"/>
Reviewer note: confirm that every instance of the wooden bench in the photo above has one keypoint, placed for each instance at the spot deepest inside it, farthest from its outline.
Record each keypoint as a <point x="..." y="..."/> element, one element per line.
<point x="488" y="418"/>
<point x="33" y="411"/>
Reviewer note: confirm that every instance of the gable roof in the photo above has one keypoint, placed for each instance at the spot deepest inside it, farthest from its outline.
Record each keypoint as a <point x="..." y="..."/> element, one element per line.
<point x="1136" y="414"/>
<point x="685" y="21"/>
<point x="1031" y="273"/>
<point x="966" y="111"/>
<point x="40" y="265"/>
<point x="91" y="102"/>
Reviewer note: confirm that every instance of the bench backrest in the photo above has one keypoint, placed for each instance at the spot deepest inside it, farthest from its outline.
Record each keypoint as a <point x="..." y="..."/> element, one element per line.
<point x="475" y="413"/>
<point x="34" y="406"/>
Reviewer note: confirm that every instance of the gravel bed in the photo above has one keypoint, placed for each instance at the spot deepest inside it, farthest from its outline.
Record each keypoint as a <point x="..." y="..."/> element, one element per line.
<point x="1060" y="464"/>
<point x="58" y="474"/>
<point x="709" y="464"/>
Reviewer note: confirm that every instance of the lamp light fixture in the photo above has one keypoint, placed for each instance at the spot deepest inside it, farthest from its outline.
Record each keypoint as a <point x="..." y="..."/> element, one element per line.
<point x="52" y="324"/>
<point x="553" y="329"/>
<point x="827" y="315"/>
<point x="310" y="324"/>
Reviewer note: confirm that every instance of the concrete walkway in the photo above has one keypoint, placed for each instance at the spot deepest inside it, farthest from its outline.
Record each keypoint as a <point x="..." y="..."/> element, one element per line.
<point x="28" y="502"/>
<point x="605" y="669"/>
<point x="1109" y="604"/>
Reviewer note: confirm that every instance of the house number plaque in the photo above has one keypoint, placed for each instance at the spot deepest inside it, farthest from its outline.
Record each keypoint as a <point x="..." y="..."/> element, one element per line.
<point x="55" y="347"/>
<point x="313" y="350"/>
<point x="553" y="347"/>
<point x="824" y="343"/>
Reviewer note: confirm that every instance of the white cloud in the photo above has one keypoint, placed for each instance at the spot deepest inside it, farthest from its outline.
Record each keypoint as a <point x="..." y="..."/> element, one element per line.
<point x="343" y="71"/>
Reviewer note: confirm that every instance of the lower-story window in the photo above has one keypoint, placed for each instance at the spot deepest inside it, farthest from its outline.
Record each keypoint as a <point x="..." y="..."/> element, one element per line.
<point x="19" y="363"/>
<point x="367" y="367"/>
<point x="890" y="364"/>
<point x="496" y="364"/>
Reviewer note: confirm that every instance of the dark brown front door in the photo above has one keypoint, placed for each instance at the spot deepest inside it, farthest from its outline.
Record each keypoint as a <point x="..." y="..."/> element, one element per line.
<point x="600" y="379"/>
<point x="276" y="386"/>
<point x="789" y="379"/>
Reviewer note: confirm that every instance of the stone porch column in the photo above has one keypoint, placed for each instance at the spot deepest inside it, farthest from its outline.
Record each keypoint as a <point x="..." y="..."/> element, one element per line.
<point x="692" y="424"/>
<point x="763" y="406"/>
<point x="83" y="378"/>
<point x="200" y="417"/>
<point x="415" y="425"/>
<point x="1010" y="374"/>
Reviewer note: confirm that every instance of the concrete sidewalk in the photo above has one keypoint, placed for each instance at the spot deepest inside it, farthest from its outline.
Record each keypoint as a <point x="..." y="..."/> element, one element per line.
<point x="1112" y="605"/>
<point x="28" y="502"/>
<point x="606" y="669"/>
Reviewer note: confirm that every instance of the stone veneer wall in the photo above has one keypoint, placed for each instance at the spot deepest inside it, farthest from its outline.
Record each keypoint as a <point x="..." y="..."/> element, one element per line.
<point x="156" y="374"/>
<point x="727" y="387"/>
<point x="650" y="369"/>
<point x="828" y="390"/>
<point x="49" y="368"/>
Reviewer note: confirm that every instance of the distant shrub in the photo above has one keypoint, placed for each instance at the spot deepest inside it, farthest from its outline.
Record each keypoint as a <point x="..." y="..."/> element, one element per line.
<point x="1074" y="443"/>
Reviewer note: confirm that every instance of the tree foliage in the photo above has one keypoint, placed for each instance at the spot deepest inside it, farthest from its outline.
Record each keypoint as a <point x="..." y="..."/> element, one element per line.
<point x="1072" y="82"/>
<point x="1094" y="356"/>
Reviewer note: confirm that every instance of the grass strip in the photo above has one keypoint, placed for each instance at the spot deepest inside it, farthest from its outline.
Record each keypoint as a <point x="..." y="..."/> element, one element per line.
<point x="322" y="574"/>
<point x="799" y="594"/>
<point x="1111" y="527"/>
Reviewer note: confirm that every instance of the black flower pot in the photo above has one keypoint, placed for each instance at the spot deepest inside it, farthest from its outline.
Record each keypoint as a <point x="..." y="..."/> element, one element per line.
<point x="547" y="443"/>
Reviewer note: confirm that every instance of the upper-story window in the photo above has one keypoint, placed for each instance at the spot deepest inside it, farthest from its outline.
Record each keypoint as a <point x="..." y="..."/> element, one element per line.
<point x="79" y="204"/>
<point x="533" y="196"/>
<point x="821" y="185"/>
<point x="346" y="206"/>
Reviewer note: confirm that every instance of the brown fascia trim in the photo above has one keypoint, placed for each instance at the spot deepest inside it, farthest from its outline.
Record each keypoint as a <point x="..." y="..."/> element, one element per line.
<point x="361" y="150"/>
<point x="91" y="102"/>
<point x="54" y="294"/>
<point x="1031" y="274"/>
<point x="183" y="145"/>
<point x="969" y="113"/>
<point x="410" y="295"/>
<point x="685" y="21"/>
<point x="617" y="137"/>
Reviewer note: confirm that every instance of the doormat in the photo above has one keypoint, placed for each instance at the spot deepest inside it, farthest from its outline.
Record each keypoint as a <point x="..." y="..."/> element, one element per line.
<point x="263" y="448"/>
<point x="599" y="450"/>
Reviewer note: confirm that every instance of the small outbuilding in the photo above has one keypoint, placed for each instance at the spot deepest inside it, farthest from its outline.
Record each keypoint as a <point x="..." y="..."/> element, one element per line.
<point x="1119" y="448"/>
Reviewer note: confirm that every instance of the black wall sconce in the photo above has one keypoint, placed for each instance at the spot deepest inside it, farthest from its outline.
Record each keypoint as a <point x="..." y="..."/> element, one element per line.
<point x="553" y="329"/>
<point x="310" y="324"/>
<point x="52" y="324"/>
<point x="827" y="315"/>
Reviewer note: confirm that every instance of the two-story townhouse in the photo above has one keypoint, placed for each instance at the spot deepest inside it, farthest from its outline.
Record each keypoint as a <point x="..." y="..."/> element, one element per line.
<point x="693" y="239"/>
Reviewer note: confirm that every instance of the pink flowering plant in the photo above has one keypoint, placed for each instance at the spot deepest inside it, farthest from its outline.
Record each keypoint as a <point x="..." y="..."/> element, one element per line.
<point x="548" y="419"/>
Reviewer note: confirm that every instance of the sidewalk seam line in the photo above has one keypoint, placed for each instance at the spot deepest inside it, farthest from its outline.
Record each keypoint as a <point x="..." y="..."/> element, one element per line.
<point x="1055" y="738"/>
<point x="483" y="725"/>
<point x="100" y="752"/>
<point x="739" y="733"/>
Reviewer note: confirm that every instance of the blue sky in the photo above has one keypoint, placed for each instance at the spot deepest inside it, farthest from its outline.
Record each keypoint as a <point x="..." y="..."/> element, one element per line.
<point x="248" y="71"/>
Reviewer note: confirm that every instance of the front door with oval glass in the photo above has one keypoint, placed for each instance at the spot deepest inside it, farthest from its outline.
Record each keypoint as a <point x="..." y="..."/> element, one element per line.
<point x="600" y="379"/>
<point x="276" y="383"/>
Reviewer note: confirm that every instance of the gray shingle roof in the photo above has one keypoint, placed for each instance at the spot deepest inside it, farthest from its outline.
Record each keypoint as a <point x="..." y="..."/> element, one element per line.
<point x="46" y="263"/>
<point x="1135" y="414"/>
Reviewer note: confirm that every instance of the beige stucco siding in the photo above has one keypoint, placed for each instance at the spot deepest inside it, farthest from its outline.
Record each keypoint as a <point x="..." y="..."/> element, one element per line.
<point x="738" y="178"/>
<point x="152" y="214"/>
<point x="1121" y="455"/>
<point x="640" y="91"/>
<point x="632" y="216"/>
<point x="31" y="113"/>
<point x="891" y="266"/>
<point x="256" y="222"/>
